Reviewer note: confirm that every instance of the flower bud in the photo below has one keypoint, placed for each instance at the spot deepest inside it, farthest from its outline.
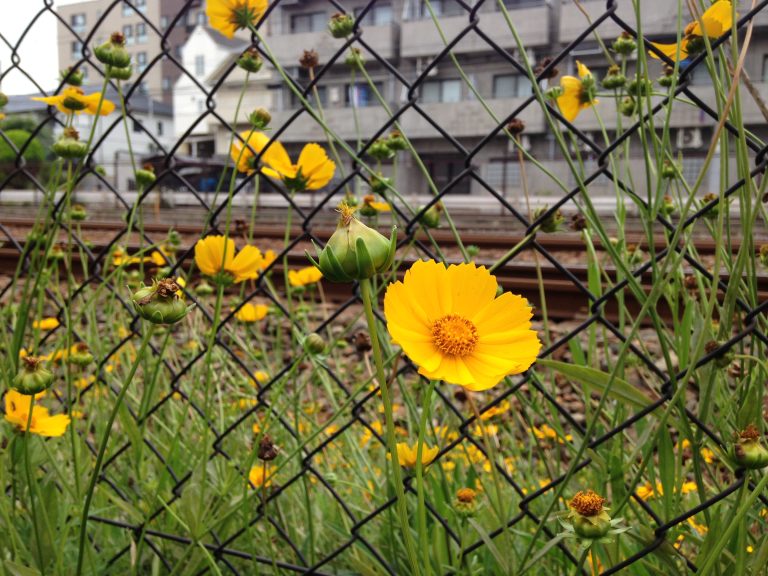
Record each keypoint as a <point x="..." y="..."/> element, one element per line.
<point x="174" y="238"/>
<point x="722" y="359"/>
<point x="552" y="222"/>
<point x="354" y="58"/>
<point x="668" y="170"/>
<point x="314" y="344"/>
<point x="120" y="73"/>
<point x="134" y="279"/>
<point x="397" y="141"/>
<point x="160" y="303"/>
<point x="713" y="212"/>
<point x="380" y="150"/>
<point x="57" y="253"/>
<point x="763" y="255"/>
<point x="465" y="503"/>
<point x="588" y="516"/>
<point x="431" y="218"/>
<point x="553" y="93"/>
<point x="748" y="451"/>
<point x="81" y="356"/>
<point x="145" y="176"/>
<point x="640" y="87"/>
<point x="113" y="52"/>
<point x="341" y="25"/>
<point x="78" y="213"/>
<point x="624" y="44"/>
<point x="668" y="78"/>
<point x="68" y="145"/>
<point x="635" y="254"/>
<point x="366" y="209"/>
<point x="71" y="76"/>
<point x="516" y="127"/>
<point x="204" y="289"/>
<point x="355" y="251"/>
<point x="614" y="79"/>
<point x="668" y="205"/>
<point x="259" y="118"/>
<point x="380" y="184"/>
<point x="473" y="250"/>
<point x="32" y="377"/>
<point x="628" y="107"/>
<point x="250" y="61"/>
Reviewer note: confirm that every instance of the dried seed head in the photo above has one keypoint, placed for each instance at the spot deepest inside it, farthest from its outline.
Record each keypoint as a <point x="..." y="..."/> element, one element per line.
<point x="750" y="433"/>
<point x="267" y="449"/>
<point x="310" y="59"/>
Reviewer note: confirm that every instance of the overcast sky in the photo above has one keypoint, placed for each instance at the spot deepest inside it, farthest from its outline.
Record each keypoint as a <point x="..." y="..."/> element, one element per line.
<point x="38" y="52"/>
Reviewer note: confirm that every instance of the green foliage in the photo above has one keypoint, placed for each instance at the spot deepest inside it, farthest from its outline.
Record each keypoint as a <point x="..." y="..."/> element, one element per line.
<point x="34" y="154"/>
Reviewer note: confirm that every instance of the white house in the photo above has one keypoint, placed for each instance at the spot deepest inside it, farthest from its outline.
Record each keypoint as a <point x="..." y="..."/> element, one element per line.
<point x="203" y="53"/>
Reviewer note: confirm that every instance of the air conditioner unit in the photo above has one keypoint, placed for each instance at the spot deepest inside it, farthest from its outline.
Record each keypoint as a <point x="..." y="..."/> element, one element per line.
<point x="689" y="138"/>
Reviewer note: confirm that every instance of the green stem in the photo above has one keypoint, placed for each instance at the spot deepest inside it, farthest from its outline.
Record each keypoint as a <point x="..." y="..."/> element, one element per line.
<point x="103" y="447"/>
<point x="422" y="510"/>
<point x="367" y="291"/>
<point x="38" y="541"/>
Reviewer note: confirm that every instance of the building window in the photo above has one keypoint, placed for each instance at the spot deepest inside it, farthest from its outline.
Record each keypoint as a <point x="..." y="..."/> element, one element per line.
<point x="141" y="5"/>
<point x="163" y="22"/>
<point x="137" y="127"/>
<point x="310" y="22"/>
<point x="503" y="175"/>
<point x="513" y="4"/>
<point x="202" y="20"/>
<point x="378" y="15"/>
<point x="362" y="95"/>
<point x="417" y="9"/>
<point x="159" y="130"/>
<point x="166" y="83"/>
<point x="77" y="22"/>
<point x="322" y="93"/>
<point x="443" y="170"/>
<point x="691" y="168"/>
<point x="511" y="86"/>
<point x="141" y="33"/>
<point x="128" y="33"/>
<point x="441" y="91"/>
<point x="200" y="65"/>
<point x="141" y="62"/>
<point x="77" y="50"/>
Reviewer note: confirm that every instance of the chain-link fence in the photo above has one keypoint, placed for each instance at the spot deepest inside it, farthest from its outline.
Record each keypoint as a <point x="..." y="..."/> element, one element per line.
<point x="130" y="519"/>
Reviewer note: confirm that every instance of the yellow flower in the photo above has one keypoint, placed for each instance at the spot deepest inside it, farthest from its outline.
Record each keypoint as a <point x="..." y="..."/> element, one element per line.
<point x="368" y="434"/>
<point x="717" y="20"/>
<point x="700" y="528"/>
<point x="369" y="200"/>
<point x="43" y="424"/>
<point x="406" y="455"/>
<point x="251" y="313"/>
<point x="267" y="259"/>
<point x="577" y="93"/>
<point x="501" y="408"/>
<point x="46" y="324"/>
<point x="261" y="476"/>
<point x="74" y="101"/>
<point x="450" y="323"/>
<point x="313" y="170"/>
<point x="228" y="16"/>
<point x="304" y="277"/>
<point x="260" y="376"/>
<point x="216" y="254"/>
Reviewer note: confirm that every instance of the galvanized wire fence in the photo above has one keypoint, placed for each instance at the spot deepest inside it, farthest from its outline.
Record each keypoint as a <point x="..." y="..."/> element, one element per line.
<point x="232" y="550"/>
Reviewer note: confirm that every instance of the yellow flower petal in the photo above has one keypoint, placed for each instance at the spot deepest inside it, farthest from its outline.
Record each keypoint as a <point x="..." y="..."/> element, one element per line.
<point x="214" y="254"/>
<point x="315" y="166"/>
<point x="246" y="265"/>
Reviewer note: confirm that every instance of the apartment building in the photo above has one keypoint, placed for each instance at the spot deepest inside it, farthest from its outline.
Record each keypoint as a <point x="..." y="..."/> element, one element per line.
<point x="152" y="24"/>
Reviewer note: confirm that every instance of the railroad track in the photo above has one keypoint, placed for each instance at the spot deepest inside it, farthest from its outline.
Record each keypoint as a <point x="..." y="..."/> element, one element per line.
<point x="564" y="291"/>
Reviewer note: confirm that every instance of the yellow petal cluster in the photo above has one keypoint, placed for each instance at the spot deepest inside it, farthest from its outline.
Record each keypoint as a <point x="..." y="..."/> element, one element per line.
<point x="304" y="276"/>
<point x="74" y="101"/>
<point x="43" y="424"/>
<point x="576" y="93"/>
<point x="717" y="20"/>
<point x="215" y="255"/>
<point x="312" y="171"/>
<point x="453" y="327"/>
<point x="228" y="16"/>
<point x="250" y="313"/>
<point x="406" y="455"/>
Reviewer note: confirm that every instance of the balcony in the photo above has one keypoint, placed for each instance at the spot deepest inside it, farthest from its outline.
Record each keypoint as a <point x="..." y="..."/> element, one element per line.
<point x="658" y="17"/>
<point x="288" y="48"/>
<point x="421" y="38"/>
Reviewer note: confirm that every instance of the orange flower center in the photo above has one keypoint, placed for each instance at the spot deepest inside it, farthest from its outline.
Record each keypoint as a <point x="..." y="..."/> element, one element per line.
<point x="454" y="335"/>
<point x="587" y="503"/>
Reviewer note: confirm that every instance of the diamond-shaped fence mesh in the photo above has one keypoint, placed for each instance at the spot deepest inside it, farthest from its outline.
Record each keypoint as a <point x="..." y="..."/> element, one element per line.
<point x="173" y="494"/>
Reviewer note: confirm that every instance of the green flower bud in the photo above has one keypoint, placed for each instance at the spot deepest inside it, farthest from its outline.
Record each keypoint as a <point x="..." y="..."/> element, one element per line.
<point x="57" y="254"/>
<point x="145" y="176"/>
<point x="763" y="255"/>
<point x="722" y="359"/>
<point x="552" y="222"/>
<point x="588" y="516"/>
<point x="260" y="118"/>
<point x="341" y="25"/>
<point x="431" y="218"/>
<point x="354" y="58"/>
<point x="668" y="205"/>
<point x="81" y="356"/>
<point x="134" y="279"/>
<point x="113" y="52"/>
<point x="695" y="45"/>
<point x="380" y="150"/>
<point x="635" y="254"/>
<point x="174" y="238"/>
<point x="160" y="303"/>
<point x="380" y="184"/>
<point x="204" y="289"/>
<point x="473" y="250"/>
<point x="668" y="78"/>
<point x="32" y="378"/>
<point x="397" y="141"/>
<point x="367" y="210"/>
<point x="748" y="451"/>
<point x="465" y="503"/>
<point x="714" y="211"/>
<point x="640" y="87"/>
<point x="78" y="213"/>
<point x="354" y="251"/>
<point x="71" y="76"/>
<point x="68" y="145"/>
<point x="624" y="44"/>
<point x="668" y="170"/>
<point x="117" y="73"/>
<point x="553" y="93"/>
<point x="351" y="200"/>
<point x="251" y="61"/>
<point x="614" y="79"/>
<point x="628" y="107"/>
<point x="314" y="344"/>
